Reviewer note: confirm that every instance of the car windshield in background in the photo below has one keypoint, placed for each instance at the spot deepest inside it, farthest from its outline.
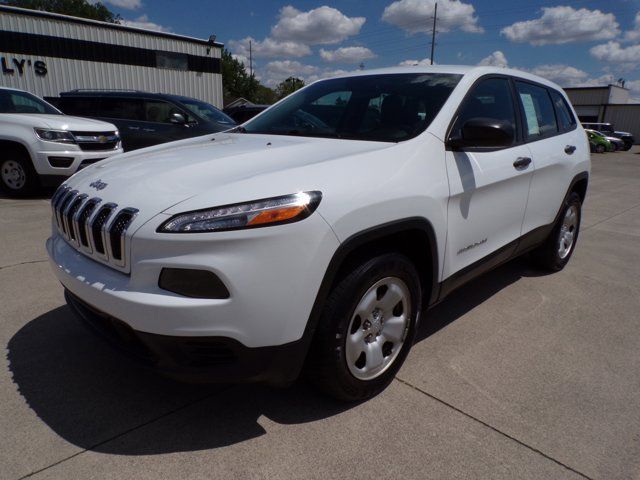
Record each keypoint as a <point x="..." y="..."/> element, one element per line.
<point x="383" y="108"/>
<point x="13" y="101"/>
<point x="208" y="112"/>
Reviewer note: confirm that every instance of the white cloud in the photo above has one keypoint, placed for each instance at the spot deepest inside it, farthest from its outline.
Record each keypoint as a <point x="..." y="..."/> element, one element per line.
<point x="126" y="4"/>
<point x="634" y="35"/>
<point x="346" y="55"/>
<point x="324" y="25"/>
<point x="279" y="70"/>
<point x="563" y="75"/>
<point x="613" y="52"/>
<point x="563" y="24"/>
<point x="268" y="48"/>
<point x="425" y="62"/>
<point x="416" y="16"/>
<point x="143" y="22"/>
<point x="496" y="59"/>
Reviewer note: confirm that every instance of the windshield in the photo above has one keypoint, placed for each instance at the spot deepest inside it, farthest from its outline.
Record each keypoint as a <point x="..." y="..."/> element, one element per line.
<point x="384" y="108"/>
<point x="208" y="112"/>
<point x="15" y="101"/>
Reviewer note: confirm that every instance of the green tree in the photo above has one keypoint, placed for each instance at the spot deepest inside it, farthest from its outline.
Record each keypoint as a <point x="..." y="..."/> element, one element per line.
<point x="75" y="8"/>
<point x="236" y="82"/>
<point x="288" y="86"/>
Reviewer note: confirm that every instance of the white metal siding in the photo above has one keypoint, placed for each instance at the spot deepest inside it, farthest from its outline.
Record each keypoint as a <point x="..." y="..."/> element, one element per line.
<point x="67" y="74"/>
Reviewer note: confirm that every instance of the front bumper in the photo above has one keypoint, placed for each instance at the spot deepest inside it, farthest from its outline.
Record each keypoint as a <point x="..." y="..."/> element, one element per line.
<point x="78" y="158"/>
<point x="195" y="359"/>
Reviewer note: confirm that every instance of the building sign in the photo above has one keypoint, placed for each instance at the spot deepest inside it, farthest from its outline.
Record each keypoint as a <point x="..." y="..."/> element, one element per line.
<point x="21" y="66"/>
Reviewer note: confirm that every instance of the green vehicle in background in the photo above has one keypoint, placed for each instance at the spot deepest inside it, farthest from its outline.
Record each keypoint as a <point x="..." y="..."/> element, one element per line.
<point x="598" y="142"/>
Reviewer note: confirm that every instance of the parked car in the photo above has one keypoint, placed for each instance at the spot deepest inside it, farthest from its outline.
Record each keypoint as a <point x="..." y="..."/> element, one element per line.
<point x="607" y="129"/>
<point x="146" y="119"/>
<point x="598" y="142"/>
<point x="242" y="113"/>
<point x="41" y="146"/>
<point x="247" y="255"/>
<point x="616" y="143"/>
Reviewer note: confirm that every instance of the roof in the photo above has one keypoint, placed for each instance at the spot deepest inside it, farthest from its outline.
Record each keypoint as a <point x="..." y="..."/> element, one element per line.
<point x="603" y="87"/>
<point x="124" y="94"/>
<point x="114" y="26"/>
<point x="475" y="71"/>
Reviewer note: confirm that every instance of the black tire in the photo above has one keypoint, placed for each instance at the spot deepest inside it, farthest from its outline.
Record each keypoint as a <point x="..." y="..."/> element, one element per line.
<point x="549" y="255"/>
<point x="17" y="175"/>
<point x="327" y="367"/>
<point x="600" y="148"/>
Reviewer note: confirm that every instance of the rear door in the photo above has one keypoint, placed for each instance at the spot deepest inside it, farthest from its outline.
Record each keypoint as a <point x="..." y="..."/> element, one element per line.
<point x="488" y="186"/>
<point x="554" y="140"/>
<point x="126" y="114"/>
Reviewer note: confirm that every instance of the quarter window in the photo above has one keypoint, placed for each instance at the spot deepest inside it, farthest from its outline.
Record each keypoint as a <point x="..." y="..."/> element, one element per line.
<point x="565" y="118"/>
<point x="538" y="111"/>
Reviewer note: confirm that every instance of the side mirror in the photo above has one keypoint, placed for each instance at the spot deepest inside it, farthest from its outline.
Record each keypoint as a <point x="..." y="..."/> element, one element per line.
<point x="482" y="132"/>
<point x="177" y="119"/>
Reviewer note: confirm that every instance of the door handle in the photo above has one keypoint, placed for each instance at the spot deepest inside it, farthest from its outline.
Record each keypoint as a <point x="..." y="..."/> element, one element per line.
<point x="148" y="129"/>
<point x="569" y="149"/>
<point x="521" y="163"/>
<point x="133" y="128"/>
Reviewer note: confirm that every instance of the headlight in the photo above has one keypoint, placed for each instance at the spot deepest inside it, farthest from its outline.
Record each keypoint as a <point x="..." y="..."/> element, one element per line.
<point x="258" y="213"/>
<point x="60" y="136"/>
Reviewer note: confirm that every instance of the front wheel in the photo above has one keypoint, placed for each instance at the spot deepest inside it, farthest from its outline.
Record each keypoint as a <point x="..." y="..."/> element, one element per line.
<point x="17" y="175"/>
<point x="556" y="251"/>
<point x="366" y="328"/>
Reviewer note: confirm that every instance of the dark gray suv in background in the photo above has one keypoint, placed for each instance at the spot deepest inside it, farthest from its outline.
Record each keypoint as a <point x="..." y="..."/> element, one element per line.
<point x="146" y="119"/>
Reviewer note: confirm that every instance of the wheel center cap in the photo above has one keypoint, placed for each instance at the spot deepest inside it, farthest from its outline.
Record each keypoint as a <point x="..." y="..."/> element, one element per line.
<point x="377" y="317"/>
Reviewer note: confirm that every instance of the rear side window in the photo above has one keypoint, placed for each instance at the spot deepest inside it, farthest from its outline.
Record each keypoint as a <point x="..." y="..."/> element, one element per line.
<point x="566" y="120"/>
<point x="124" y="108"/>
<point x="81" y="106"/>
<point x="491" y="98"/>
<point x="538" y="111"/>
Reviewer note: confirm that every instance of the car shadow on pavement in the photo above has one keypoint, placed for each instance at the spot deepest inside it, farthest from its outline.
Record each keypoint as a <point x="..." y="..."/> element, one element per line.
<point x="90" y="395"/>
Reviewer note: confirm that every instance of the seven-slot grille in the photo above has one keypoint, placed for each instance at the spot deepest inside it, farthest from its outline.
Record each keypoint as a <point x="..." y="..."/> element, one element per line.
<point x="95" y="228"/>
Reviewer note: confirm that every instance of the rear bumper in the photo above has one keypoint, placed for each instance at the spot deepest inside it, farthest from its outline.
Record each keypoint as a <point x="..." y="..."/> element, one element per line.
<point x="196" y="359"/>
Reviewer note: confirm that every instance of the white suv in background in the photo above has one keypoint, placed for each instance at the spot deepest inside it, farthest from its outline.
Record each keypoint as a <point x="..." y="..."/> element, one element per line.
<point x="41" y="146"/>
<point x="318" y="232"/>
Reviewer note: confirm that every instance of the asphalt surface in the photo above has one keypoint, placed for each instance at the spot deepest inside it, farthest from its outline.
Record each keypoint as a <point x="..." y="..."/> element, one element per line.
<point x="517" y="375"/>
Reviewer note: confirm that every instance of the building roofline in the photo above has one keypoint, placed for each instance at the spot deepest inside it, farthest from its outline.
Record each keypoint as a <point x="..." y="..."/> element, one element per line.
<point x="594" y="88"/>
<point x="114" y="26"/>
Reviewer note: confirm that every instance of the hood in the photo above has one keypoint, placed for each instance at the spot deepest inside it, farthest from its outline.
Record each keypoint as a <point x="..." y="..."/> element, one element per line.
<point x="221" y="166"/>
<point x="58" y="122"/>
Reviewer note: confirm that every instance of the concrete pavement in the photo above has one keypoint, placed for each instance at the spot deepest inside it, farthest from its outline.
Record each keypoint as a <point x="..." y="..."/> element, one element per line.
<point x="517" y="375"/>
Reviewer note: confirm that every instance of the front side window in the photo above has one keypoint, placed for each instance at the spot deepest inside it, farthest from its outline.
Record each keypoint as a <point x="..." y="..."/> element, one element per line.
<point x="208" y="112"/>
<point x="491" y="98"/>
<point x="13" y="101"/>
<point x="158" y="111"/>
<point x="538" y="110"/>
<point x="566" y="120"/>
<point x="383" y="108"/>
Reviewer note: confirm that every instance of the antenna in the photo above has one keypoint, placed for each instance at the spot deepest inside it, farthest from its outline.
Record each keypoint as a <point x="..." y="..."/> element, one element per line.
<point x="433" y="31"/>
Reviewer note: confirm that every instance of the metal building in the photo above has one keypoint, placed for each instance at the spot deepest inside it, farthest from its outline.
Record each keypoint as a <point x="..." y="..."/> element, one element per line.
<point x="607" y="104"/>
<point x="46" y="53"/>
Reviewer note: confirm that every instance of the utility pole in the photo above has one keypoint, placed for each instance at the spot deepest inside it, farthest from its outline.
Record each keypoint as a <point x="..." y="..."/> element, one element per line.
<point x="433" y="32"/>
<point x="251" y="60"/>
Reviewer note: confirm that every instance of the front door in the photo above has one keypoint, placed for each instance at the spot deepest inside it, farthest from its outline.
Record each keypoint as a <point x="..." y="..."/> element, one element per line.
<point x="488" y="187"/>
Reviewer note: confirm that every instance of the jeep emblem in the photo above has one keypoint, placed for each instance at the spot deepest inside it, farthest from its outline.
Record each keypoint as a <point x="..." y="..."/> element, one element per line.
<point x="98" y="184"/>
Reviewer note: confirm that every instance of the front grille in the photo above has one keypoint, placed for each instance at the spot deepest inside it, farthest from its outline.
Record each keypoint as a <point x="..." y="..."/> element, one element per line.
<point x="95" y="228"/>
<point x="96" y="141"/>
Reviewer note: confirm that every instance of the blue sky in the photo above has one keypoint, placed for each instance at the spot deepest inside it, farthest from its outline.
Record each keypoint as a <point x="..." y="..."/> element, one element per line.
<point x="573" y="42"/>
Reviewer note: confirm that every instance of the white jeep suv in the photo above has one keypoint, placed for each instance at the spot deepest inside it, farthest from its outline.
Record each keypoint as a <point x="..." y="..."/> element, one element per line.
<point x="41" y="146"/>
<point x="318" y="232"/>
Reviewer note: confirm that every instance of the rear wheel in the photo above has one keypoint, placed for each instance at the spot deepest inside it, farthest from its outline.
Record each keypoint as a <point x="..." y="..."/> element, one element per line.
<point x="556" y="251"/>
<point x="366" y="329"/>
<point x="17" y="175"/>
<point x="600" y="148"/>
